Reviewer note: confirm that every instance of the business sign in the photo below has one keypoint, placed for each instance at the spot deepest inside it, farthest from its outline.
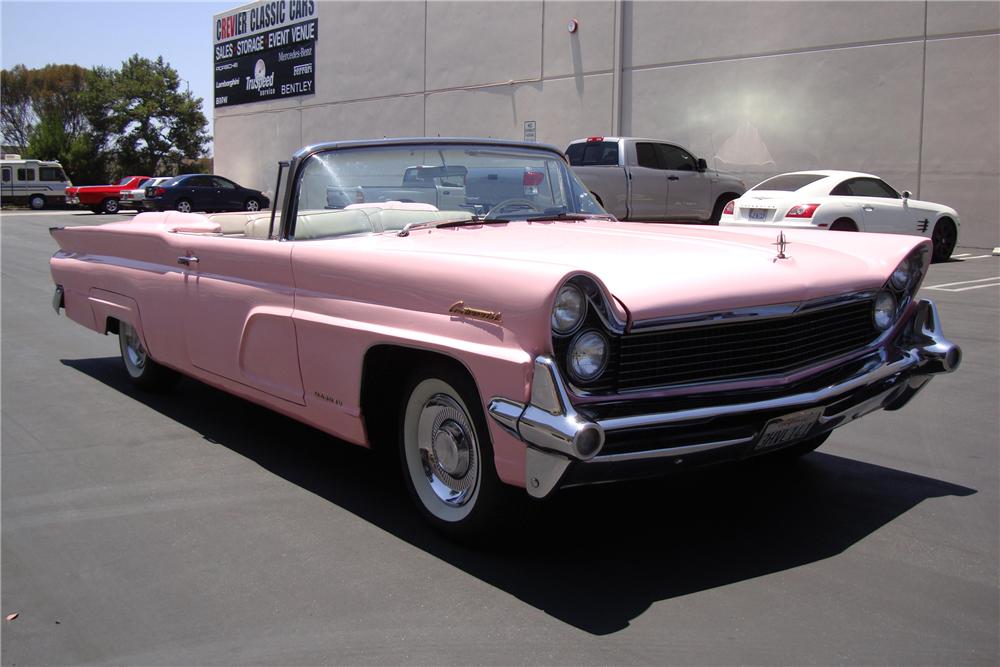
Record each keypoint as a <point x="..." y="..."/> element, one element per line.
<point x="265" y="51"/>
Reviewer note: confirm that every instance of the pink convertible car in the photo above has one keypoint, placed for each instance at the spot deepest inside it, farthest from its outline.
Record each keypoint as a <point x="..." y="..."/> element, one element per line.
<point x="467" y="301"/>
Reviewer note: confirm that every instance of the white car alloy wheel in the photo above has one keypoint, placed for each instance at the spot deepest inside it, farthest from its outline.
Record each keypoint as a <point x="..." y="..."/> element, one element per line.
<point x="133" y="353"/>
<point x="442" y="454"/>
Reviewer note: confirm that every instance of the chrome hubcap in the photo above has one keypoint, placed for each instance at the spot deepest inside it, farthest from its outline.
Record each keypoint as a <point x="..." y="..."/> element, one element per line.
<point x="135" y="353"/>
<point x="448" y="450"/>
<point x="252" y="205"/>
<point x="184" y="207"/>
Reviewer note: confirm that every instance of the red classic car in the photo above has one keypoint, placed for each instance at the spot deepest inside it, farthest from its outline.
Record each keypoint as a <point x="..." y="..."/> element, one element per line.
<point x="103" y="198"/>
<point x="499" y="329"/>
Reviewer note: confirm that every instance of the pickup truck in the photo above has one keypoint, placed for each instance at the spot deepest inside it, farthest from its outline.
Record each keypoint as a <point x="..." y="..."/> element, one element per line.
<point x="103" y="198"/>
<point x="651" y="180"/>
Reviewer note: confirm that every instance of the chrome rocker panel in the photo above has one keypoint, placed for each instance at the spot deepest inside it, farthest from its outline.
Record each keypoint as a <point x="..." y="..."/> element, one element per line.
<point x="557" y="436"/>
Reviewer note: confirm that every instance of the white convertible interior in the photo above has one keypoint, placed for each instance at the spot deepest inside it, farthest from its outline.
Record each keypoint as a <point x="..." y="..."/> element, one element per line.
<point x="324" y="224"/>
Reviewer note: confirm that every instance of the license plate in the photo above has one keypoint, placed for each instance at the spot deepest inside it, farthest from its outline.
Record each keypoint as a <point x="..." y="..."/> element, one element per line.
<point x="758" y="214"/>
<point x="788" y="428"/>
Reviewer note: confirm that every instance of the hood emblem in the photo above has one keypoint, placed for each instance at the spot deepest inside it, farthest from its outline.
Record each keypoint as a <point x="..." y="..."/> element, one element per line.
<point x="459" y="308"/>
<point x="781" y="247"/>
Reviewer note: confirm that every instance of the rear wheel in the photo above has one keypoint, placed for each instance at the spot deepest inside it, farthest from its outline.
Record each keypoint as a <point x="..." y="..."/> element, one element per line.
<point x="183" y="205"/>
<point x="446" y="454"/>
<point x="37" y="202"/>
<point x="109" y="205"/>
<point x="844" y="225"/>
<point x="944" y="237"/>
<point x="142" y="370"/>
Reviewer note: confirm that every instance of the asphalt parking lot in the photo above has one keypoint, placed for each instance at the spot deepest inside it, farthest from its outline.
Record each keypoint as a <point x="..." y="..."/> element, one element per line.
<point x="196" y="528"/>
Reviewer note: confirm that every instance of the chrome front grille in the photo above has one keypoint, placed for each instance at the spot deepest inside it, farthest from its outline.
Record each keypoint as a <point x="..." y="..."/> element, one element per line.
<point x="745" y="349"/>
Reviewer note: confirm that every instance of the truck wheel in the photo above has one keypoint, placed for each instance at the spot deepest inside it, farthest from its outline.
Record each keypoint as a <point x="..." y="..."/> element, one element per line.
<point x="720" y="205"/>
<point x="36" y="202"/>
<point x="143" y="371"/>
<point x="446" y="454"/>
<point x="109" y="205"/>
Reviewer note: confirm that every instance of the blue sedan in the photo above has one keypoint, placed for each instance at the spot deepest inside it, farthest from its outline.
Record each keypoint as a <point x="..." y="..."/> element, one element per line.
<point x="203" y="192"/>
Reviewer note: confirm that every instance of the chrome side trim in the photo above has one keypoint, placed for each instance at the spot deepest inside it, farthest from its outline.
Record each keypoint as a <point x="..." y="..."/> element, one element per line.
<point x="669" y="451"/>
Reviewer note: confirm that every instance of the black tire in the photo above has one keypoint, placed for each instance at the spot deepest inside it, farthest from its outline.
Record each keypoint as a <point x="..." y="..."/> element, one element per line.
<point x="184" y="206"/>
<point x="844" y="225"/>
<point x="95" y="210"/>
<point x="109" y="205"/>
<point x="252" y="204"/>
<point x="944" y="237"/>
<point x="145" y="373"/>
<point x="441" y="407"/>
<point x="720" y="204"/>
<point x="36" y="202"/>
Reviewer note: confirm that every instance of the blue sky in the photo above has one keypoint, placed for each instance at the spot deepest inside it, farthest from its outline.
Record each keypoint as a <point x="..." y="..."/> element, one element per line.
<point x="107" y="33"/>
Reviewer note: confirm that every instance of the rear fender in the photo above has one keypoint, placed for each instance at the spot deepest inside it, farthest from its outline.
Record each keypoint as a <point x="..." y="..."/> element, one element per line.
<point x="105" y="305"/>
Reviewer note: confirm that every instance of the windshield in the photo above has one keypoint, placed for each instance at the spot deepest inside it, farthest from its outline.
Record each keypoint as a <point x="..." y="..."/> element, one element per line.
<point x="435" y="182"/>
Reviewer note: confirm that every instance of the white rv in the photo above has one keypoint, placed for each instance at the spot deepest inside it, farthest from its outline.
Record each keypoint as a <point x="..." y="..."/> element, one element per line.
<point x="37" y="183"/>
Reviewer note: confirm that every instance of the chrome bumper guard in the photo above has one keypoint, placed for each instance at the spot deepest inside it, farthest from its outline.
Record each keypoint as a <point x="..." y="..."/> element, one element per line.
<point x="558" y="436"/>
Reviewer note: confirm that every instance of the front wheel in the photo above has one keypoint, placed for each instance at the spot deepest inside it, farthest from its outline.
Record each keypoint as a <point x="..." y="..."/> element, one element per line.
<point x="252" y="205"/>
<point x="446" y="453"/>
<point x="142" y="370"/>
<point x="944" y="238"/>
<point x="36" y="202"/>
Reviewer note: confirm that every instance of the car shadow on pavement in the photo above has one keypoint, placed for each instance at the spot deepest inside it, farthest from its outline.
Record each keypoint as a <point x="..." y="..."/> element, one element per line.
<point x="594" y="557"/>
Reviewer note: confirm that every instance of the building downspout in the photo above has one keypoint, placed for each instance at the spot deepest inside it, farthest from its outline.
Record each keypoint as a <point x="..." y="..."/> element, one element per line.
<point x="617" y="68"/>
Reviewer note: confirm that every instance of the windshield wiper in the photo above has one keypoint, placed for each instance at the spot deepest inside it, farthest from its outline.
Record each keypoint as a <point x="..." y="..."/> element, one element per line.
<point x="457" y="222"/>
<point x="567" y="215"/>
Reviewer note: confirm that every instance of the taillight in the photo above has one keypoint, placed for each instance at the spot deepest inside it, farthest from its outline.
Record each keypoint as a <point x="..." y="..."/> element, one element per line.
<point x="533" y="178"/>
<point x="159" y="192"/>
<point x="591" y="140"/>
<point x="802" y="211"/>
<point x="730" y="207"/>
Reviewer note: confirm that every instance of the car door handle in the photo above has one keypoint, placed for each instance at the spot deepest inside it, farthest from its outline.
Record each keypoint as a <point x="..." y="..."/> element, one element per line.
<point x="673" y="178"/>
<point x="868" y="209"/>
<point x="187" y="260"/>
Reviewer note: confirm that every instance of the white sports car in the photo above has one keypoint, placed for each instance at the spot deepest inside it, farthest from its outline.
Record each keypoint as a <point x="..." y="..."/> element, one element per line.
<point x="843" y="201"/>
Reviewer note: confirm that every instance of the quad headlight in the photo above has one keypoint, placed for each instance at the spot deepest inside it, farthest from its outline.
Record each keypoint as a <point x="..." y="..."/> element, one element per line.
<point x="904" y="274"/>
<point x="569" y="309"/>
<point x="587" y="356"/>
<point x="885" y="310"/>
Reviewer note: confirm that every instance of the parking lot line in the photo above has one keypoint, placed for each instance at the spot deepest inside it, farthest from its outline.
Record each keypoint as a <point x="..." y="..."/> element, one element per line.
<point x="964" y="254"/>
<point x="976" y="257"/>
<point x="966" y="284"/>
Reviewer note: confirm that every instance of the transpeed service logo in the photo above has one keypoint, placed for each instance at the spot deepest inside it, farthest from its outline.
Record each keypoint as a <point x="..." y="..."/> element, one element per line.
<point x="261" y="80"/>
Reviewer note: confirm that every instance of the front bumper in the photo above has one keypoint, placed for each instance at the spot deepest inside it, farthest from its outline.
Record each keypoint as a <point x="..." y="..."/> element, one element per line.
<point x="568" y="446"/>
<point x="73" y="200"/>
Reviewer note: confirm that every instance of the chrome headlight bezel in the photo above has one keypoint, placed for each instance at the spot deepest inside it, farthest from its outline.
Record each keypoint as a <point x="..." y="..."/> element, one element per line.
<point x="594" y="338"/>
<point x="568" y="291"/>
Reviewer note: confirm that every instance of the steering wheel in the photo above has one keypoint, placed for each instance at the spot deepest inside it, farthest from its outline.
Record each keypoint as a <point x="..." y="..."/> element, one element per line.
<point x="522" y="203"/>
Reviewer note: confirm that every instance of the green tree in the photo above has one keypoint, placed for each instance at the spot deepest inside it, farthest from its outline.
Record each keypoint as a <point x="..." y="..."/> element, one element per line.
<point x="17" y="116"/>
<point x="154" y="126"/>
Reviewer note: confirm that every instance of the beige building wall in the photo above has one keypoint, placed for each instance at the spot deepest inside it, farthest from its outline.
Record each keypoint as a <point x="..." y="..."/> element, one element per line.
<point x="906" y="90"/>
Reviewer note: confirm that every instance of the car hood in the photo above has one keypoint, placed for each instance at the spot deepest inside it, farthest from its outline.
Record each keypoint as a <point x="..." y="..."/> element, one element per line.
<point x="663" y="270"/>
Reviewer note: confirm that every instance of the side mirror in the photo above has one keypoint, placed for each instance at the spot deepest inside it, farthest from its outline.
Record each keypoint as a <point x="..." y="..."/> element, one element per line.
<point x="702" y="165"/>
<point x="907" y="194"/>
